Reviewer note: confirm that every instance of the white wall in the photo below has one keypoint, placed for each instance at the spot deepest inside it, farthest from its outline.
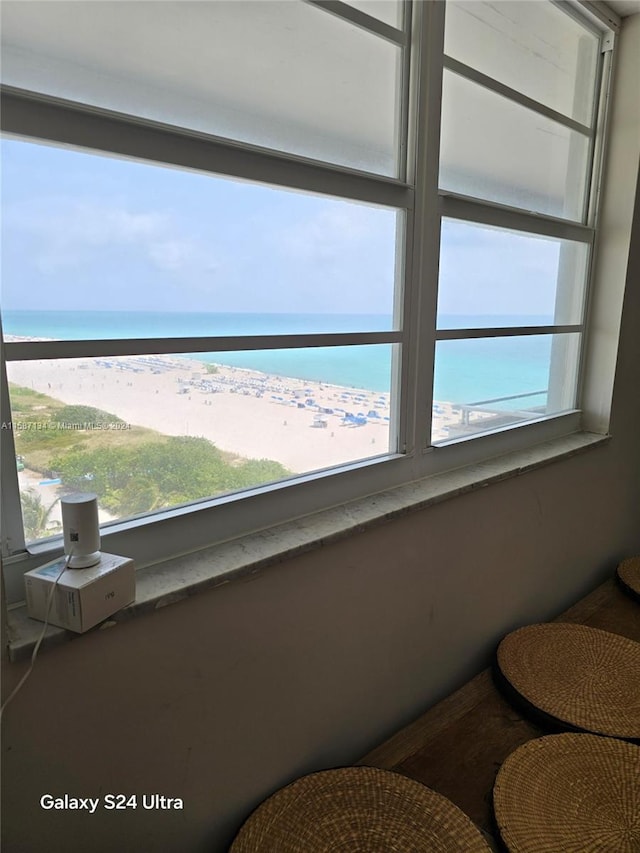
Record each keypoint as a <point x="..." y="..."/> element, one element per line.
<point x="221" y="699"/>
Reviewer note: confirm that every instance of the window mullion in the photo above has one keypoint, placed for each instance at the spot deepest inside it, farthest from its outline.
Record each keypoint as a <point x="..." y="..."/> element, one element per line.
<point x="45" y="118"/>
<point x="493" y="85"/>
<point x="595" y="206"/>
<point x="598" y="111"/>
<point x="505" y="332"/>
<point x="470" y="209"/>
<point x="604" y="118"/>
<point x="361" y="19"/>
<point x="404" y="104"/>
<point x="35" y="350"/>
<point x="421" y="303"/>
<point x="12" y="530"/>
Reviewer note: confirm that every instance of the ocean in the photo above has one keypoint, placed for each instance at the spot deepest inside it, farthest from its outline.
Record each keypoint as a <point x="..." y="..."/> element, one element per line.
<point x="466" y="371"/>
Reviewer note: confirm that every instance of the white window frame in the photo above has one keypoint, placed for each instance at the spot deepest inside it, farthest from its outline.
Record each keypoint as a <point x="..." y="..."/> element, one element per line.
<point x="154" y="538"/>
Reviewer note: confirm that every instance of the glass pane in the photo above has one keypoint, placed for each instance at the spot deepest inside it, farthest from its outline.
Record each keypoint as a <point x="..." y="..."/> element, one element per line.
<point x="491" y="277"/>
<point x="388" y="11"/>
<point x="495" y="149"/>
<point x="278" y="74"/>
<point x="97" y="247"/>
<point x="148" y="432"/>
<point x="533" y="47"/>
<point x="484" y="384"/>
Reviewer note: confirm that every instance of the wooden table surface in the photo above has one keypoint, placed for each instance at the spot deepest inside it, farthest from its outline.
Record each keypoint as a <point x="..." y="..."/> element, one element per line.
<point x="457" y="747"/>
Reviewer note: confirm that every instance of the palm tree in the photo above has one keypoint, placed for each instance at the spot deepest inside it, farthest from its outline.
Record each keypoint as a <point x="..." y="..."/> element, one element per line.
<point x="36" y="517"/>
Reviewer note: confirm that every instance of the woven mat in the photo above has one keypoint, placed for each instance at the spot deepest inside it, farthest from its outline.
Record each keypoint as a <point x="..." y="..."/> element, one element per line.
<point x="578" y="677"/>
<point x="570" y="793"/>
<point x="629" y="576"/>
<point x="358" y="810"/>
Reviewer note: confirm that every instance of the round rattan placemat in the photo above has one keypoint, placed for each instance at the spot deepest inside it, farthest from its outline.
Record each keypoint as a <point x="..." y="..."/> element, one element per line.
<point x="574" y="676"/>
<point x="570" y="793"/>
<point x="358" y="810"/>
<point x="629" y="576"/>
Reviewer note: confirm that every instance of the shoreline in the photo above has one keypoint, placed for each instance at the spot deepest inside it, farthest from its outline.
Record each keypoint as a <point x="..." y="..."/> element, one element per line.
<point x="306" y="425"/>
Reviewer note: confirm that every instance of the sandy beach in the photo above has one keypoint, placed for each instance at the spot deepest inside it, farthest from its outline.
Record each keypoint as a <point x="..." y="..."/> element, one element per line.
<point x="304" y="425"/>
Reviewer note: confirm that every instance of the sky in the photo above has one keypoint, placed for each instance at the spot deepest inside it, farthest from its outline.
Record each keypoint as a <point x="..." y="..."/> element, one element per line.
<point x="82" y="231"/>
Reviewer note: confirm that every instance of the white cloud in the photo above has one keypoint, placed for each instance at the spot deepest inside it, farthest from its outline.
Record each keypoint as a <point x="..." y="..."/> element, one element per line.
<point x="70" y="232"/>
<point x="185" y="254"/>
<point x="330" y="233"/>
<point x="170" y="254"/>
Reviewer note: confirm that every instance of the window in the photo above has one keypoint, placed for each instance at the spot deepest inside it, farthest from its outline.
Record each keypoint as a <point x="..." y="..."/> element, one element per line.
<point x="285" y="254"/>
<point x="518" y="131"/>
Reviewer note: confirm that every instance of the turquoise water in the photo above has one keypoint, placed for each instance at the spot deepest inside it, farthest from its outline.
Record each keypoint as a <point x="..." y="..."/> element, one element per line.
<point x="466" y="371"/>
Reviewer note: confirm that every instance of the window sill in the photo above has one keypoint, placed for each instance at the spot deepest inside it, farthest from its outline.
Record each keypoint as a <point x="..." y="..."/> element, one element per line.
<point x="176" y="579"/>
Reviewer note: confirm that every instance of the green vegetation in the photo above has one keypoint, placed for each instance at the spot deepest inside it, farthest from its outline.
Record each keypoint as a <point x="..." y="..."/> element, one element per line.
<point x="132" y="471"/>
<point x="86" y="415"/>
<point x="155" y="475"/>
<point x="33" y="417"/>
<point x="36" y="516"/>
<point x="44" y="427"/>
<point x="27" y="398"/>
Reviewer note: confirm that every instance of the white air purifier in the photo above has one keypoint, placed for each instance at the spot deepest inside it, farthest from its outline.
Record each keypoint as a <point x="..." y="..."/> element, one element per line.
<point x="81" y="530"/>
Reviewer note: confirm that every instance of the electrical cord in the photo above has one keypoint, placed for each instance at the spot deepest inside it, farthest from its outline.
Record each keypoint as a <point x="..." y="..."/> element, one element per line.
<point x="18" y="686"/>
